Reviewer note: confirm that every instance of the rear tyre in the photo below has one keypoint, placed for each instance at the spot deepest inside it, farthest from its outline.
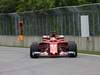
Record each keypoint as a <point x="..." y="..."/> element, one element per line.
<point x="72" y="46"/>
<point x="34" y="48"/>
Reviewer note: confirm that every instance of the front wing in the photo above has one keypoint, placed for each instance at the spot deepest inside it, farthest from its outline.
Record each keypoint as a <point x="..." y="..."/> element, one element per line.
<point x="47" y="54"/>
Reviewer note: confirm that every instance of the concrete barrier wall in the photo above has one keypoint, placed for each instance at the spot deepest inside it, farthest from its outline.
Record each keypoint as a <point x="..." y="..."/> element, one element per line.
<point x="14" y="40"/>
<point x="83" y="43"/>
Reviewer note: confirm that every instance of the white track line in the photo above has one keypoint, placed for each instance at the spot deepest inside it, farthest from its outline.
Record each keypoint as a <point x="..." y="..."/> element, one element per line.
<point x="89" y="55"/>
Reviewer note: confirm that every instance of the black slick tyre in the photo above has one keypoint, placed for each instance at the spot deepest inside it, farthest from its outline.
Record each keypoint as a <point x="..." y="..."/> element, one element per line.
<point x="72" y="46"/>
<point x="34" y="47"/>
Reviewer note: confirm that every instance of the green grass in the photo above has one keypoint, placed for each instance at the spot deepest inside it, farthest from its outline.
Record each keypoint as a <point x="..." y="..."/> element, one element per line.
<point x="89" y="52"/>
<point x="15" y="46"/>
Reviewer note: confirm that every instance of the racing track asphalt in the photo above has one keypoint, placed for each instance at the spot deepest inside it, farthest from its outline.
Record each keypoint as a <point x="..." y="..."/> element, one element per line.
<point x="16" y="61"/>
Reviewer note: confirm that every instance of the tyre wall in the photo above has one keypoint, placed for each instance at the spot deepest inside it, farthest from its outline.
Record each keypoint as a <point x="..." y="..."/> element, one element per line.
<point x="83" y="43"/>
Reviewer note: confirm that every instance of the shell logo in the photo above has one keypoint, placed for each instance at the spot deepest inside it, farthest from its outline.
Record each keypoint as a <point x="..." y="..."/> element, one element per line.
<point x="53" y="47"/>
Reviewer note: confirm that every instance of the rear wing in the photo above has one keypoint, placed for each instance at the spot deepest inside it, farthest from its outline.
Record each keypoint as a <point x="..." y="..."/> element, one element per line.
<point x="57" y="37"/>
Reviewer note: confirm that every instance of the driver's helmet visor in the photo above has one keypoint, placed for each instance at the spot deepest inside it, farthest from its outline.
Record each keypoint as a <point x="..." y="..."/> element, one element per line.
<point x="53" y="38"/>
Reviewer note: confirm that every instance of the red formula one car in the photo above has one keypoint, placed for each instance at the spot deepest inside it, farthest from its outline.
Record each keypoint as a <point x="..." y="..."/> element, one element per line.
<point x="53" y="46"/>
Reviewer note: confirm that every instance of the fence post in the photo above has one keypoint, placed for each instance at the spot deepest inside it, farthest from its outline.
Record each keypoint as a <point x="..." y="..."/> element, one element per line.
<point x="57" y="25"/>
<point x="46" y="24"/>
<point x="73" y="24"/>
<point x="93" y="23"/>
<point x="62" y="24"/>
<point x="42" y="25"/>
<point x="65" y="25"/>
<point x="69" y="24"/>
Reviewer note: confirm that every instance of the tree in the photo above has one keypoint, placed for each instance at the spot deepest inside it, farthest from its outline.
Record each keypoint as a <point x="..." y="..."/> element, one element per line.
<point x="8" y="6"/>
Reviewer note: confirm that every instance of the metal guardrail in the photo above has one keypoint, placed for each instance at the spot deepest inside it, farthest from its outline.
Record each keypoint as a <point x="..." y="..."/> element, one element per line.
<point x="64" y="20"/>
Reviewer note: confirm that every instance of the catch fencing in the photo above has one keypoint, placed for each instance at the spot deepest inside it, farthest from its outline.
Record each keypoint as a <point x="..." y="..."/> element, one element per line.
<point x="64" y="20"/>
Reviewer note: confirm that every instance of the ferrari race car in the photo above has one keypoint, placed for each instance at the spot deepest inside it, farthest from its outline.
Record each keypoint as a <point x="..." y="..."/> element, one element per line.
<point x="53" y="46"/>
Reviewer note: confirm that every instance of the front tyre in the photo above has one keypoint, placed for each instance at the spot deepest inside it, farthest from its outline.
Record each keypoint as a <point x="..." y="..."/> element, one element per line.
<point x="34" y="47"/>
<point x="72" y="46"/>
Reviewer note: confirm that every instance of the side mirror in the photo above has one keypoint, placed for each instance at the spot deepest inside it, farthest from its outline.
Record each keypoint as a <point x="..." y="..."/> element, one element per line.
<point x="61" y="39"/>
<point x="44" y="40"/>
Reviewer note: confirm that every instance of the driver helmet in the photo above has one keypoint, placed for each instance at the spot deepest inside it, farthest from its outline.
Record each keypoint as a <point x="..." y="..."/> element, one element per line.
<point x="52" y="39"/>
